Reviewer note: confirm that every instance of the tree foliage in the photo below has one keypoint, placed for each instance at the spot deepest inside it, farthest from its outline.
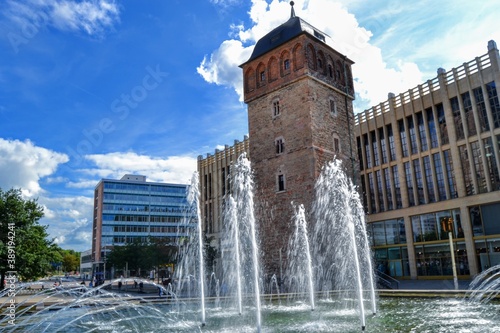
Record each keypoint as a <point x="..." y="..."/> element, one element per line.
<point x="142" y="256"/>
<point x="70" y="260"/>
<point x="24" y="246"/>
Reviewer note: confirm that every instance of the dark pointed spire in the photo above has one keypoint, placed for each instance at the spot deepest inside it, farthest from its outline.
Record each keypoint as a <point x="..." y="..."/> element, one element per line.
<point x="292" y="14"/>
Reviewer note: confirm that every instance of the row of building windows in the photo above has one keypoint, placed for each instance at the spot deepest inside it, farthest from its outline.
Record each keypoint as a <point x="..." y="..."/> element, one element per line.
<point x="145" y="188"/>
<point x="433" y="258"/>
<point x="484" y="220"/>
<point x="143" y="198"/>
<point x="437" y="226"/>
<point x="122" y="240"/>
<point x="86" y="259"/>
<point x="143" y="218"/>
<point x="479" y="166"/>
<point x="431" y="178"/>
<point x="138" y="228"/>
<point x="142" y="208"/>
<point x="426" y="227"/>
<point x="420" y="132"/>
<point x="428" y="179"/>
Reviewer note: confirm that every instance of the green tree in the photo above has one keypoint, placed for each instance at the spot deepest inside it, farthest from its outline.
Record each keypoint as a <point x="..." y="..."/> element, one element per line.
<point x="161" y="253"/>
<point x="70" y="261"/>
<point x="211" y="254"/>
<point x="142" y="256"/>
<point x="24" y="246"/>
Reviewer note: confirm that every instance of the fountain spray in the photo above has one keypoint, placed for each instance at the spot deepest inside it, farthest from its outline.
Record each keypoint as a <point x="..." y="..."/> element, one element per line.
<point x="236" y="239"/>
<point x="194" y="199"/>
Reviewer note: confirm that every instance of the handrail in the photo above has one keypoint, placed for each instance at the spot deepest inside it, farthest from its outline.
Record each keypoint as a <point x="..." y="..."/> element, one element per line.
<point x="386" y="277"/>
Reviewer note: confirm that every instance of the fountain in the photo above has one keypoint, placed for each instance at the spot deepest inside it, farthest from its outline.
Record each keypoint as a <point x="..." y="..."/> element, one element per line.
<point x="341" y="247"/>
<point x="329" y="272"/>
<point x="299" y="255"/>
<point x="194" y="200"/>
<point x="242" y="235"/>
<point x="485" y="286"/>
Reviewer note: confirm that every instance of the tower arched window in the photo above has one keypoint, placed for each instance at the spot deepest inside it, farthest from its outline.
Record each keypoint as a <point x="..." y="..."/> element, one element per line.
<point x="333" y="106"/>
<point x="250" y="80"/>
<point x="286" y="64"/>
<point x="337" y="149"/>
<point x="280" y="145"/>
<point x="321" y="62"/>
<point x="276" y="108"/>
<point x="298" y="57"/>
<point x="261" y="75"/>
<point x="280" y="182"/>
<point x="273" y="69"/>
<point x="311" y="57"/>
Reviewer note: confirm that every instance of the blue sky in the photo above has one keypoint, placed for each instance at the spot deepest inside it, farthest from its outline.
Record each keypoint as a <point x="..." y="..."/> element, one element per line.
<point x="93" y="89"/>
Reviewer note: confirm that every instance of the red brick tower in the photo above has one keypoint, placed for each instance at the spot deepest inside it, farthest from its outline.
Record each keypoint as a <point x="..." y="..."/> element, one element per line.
<point x="299" y="92"/>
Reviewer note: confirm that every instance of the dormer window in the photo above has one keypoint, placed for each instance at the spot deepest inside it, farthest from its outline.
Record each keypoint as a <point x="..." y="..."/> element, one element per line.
<point x="319" y="36"/>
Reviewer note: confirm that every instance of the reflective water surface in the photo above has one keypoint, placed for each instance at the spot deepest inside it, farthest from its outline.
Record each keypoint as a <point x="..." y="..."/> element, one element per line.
<point x="395" y="315"/>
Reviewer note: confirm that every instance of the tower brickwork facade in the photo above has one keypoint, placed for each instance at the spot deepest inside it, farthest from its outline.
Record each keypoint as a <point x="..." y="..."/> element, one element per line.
<point x="299" y="92"/>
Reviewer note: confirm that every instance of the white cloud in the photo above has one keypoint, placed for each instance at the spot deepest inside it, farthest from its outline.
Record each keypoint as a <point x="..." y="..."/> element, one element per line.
<point x="222" y="66"/>
<point x="172" y="169"/>
<point x="375" y="76"/>
<point x="90" y="16"/>
<point x="22" y="165"/>
<point x="69" y="220"/>
<point x="25" y="165"/>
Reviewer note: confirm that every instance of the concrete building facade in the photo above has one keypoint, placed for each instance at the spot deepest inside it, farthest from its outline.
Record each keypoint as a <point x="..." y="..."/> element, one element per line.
<point x="429" y="162"/>
<point x="132" y="209"/>
<point x="86" y="264"/>
<point x="215" y="182"/>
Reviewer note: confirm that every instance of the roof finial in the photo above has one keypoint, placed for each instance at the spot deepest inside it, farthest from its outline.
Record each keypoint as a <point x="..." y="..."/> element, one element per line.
<point x="292" y="14"/>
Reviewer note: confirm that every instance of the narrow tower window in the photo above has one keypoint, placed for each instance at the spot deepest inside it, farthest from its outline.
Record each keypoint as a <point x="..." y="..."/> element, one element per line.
<point x="280" y="146"/>
<point x="336" y="145"/>
<point x="281" y="183"/>
<point x="276" y="108"/>
<point x="333" y="107"/>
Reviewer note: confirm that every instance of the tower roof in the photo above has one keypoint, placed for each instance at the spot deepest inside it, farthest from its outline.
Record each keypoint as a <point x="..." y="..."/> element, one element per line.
<point x="282" y="34"/>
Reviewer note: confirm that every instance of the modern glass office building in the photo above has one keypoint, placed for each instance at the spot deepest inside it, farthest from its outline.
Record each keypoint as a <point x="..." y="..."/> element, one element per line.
<point x="132" y="209"/>
<point x="429" y="162"/>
